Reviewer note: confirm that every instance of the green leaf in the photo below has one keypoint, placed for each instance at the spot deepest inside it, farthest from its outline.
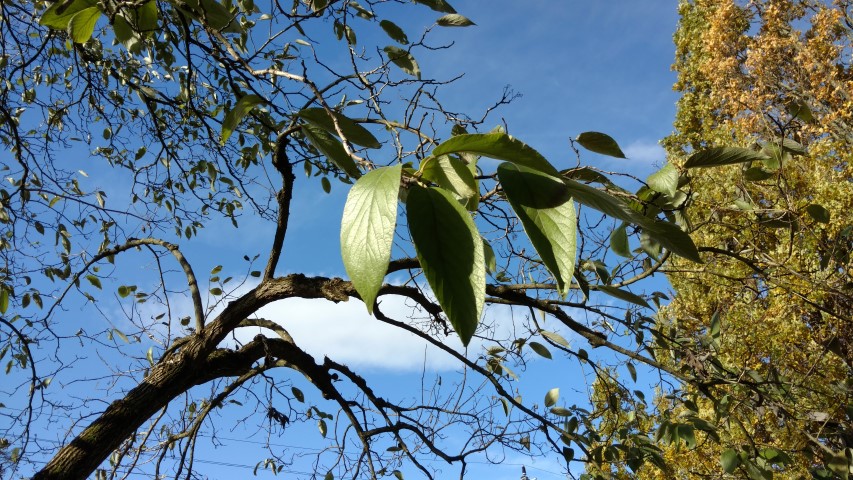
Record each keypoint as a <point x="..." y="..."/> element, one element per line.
<point x="437" y="5"/>
<point x="632" y="370"/>
<point x="317" y="5"/>
<point x="4" y="299"/>
<point x="321" y="425"/>
<point x="216" y="15"/>
<point x="491" y="261"/>
<point x="756" y="174"/>
<point x="715" y="157"/>
<point x="121" y="335"/>
<point x="146" y="17"/>
<point x="236" y="114"/>
<point x="669" y="235"/>
<point x="396" y="33"/>
<point x="600" y="143"/>
<point x="555" y="337"/>
<point x="367" y="230"/>
<point x="450" y="251"/>
<point x="623" y="295"/>
<point x="547" y="212"/>
<point x="729" y="460"/>
<point x="838" y="463"/>
<point x="404" y="60"/>
<point x="95" y="281"/>
<point x="354" y="132"/>
<point x="818" y="212"/>
<point x="398" y="474"/>
<point x="124" y="291"/>
<point x="454" y="175"/>
<point x="551" y="397"/>
<point x="82" y="24"/>
<point x="619" y="241"/>
<point x="454" y="20"/>
<point x="686" y="433"/>
<point x="332" y="149"/>
<point x="500" y="146"/>
<point x="297" y="394"/>
<point x="800" y="109"/>
<point x="664" y="180"/>
<point x="54" y="19"/>
<point x="542" y="350"/>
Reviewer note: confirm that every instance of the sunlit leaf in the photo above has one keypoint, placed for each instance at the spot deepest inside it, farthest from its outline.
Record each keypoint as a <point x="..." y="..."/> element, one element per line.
<point x="619" y="241"/>
<point x="236" y="114"/>
<point x="367" y="230"/>
<point x="82" y="24"/>
<point x="332" y="149"/>
<point x="664" y="180"/>
<point x="437" y="5"/>
<point x="540" y="349"/>
<point x="54" y="19"/>
<point x="354" y="132"/>
<point x="396" y="33"/>
<point x="600" y="143"/>
<point x="454" y="175"/>
<point x="499" y="146"/>
<point x="551" y="397"/>
<point x="450" y="251"/>
<point x="547" y="212"/>
<point x="623" y="295"/>
<point x="715" y="157"/>
<point x="454" y="20"/>
<point x="404" y="60"/>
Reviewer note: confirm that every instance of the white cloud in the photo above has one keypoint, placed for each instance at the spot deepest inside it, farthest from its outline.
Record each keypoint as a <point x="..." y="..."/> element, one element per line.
<point x="646" y="151"/>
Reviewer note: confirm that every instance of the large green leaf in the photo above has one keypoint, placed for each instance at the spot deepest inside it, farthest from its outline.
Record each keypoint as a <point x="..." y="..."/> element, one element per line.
<point x="396" y="33"/>
<point x="715" y="157"/>
<point x="619" y="241"/>
<point x="82" y="24"/>
<point x="367" y="230"/>
<point x="729" y="460"/>
<point x="236" y="114"/>
<point x="53" y="18"/>
<point x="500" y="146"/>
<point x="454" y="175"/>
<point x="669" y="235"/>
<point x="404" y="60"/>
<point x="546" y="211"/>
<point x="600" y="143"/>
<point x="332" y="148"/>
<point x="664" y="180"/>
<point x="354" y="132"/>
<point x="451" y="254"/>
<point x="437" y="5"/>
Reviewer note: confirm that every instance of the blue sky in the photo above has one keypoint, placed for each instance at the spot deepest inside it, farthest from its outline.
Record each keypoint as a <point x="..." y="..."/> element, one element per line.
<point x="579" y="66"/>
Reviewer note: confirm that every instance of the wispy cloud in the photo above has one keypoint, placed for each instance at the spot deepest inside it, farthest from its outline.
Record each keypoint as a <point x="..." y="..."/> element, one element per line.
<point x="646" y="151"/>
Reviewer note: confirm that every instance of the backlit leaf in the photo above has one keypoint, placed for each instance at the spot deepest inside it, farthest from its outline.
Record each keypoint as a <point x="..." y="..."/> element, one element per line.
<point x="332" y="149"/>
<point x="54" y="19"/>
<point x="818" y="212"/>
<point x="551" y="397"/>
<point x="715" y="157"/>
<point x="354" y="132"/>
<point x="404" y="60"/>
<point x="454" y="175"/>
<point x="623" y="295"/>
<point x="542" y="350"/>
<point x="367" y="230"/>
<point x="396" y="33"/>
<point x="236" y="114"/>
<point x="454" y="20"/>
<point x="450" y="251"/>
<point x="437" y="5"/>
<point x="619" y="241"/>
<point x="547" y="212"/>
<point x="664" y="180"/>
<point x="729" y="460"/>
<point x="82" y="24"/>
<point x="499" y="146"/>
<point x="600" y="143"/>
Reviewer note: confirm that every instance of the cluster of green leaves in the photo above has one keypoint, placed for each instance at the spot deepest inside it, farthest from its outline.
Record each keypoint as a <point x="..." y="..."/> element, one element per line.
<point x="440" y="197"/>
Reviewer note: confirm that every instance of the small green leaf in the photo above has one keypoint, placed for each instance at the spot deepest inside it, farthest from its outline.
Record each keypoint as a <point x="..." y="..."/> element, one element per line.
<point x="123" y="291"/>
<point x="215" y="15"/>
<point x="332" y="149"/>
<point x="367" y="230"/>
<point x="818" y="212"/>
<point x="398" y="475"/>
<point x="437" y="5"/>
<point x="542" y="350"/>
<point x="454" y="20"/>
<point x="454" y="175"/>
<point x="756" y="174"/>
<point x="121" y="335"/>
<point x="396" y="33"/>
<point x="623" y="295"/>
<point x="715" y="157"/>
<point x="404" y="60"/>
<point x="664" y="180"/>
<point x="317" y="5"/>
<point x="686" y="433"/>
<point x="321" y="425"/>
<point x="354" y="132"/>
<point x="632" y="370"/>
<point x="547" y="212"/>
<point x="450" y="251"/>
<point x="551" y="397"/>
<point x="561" y="412"/>
<point x="4" y="299"/>
<point x="150" y="356"/>
<point x="82" y="24"/>
<point x="555" y="337"/>
<point x="95" y="281"/>
<point x="236" y="114"/>
<point x="216" y="291"/>
<point x="619" y="241"/>
<point x="491" y="261"/>
<point x="54" y="19"/>
<point x="297" y="394"/>
<point x="499" y="146"/>
<point x="729" y="460"/>
<point x="800" y="109"/>
<point x="600" y="143"/>
<point x="329" y="476"/>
